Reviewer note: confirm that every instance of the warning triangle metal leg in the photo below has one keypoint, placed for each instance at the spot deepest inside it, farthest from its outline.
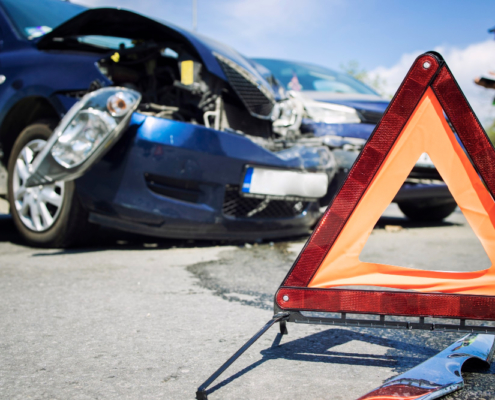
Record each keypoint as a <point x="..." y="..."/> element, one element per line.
<point x="201" y="393"/>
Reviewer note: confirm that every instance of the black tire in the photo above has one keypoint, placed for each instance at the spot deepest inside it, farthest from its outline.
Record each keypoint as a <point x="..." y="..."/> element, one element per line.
<point x="427" y="212"/>
<point x="71" y="225"/>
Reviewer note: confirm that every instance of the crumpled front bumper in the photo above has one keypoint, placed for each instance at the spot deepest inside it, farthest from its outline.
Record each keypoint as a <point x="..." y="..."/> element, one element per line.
<point x="173" y="179"/>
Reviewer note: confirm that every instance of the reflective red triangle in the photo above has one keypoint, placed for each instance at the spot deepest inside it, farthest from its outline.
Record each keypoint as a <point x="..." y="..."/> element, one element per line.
<point x="428" y="88"/>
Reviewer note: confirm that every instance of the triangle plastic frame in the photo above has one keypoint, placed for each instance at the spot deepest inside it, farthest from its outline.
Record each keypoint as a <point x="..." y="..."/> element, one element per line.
<point x="429" y="76"/>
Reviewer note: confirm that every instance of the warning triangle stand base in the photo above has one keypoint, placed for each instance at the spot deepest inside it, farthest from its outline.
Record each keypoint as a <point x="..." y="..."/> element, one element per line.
<point x="424" y="300"/>
<point x="382" y="322"/>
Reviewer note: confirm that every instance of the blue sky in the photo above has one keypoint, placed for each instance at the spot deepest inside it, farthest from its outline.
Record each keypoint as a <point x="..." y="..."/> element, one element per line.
<point x="384" y="36"/>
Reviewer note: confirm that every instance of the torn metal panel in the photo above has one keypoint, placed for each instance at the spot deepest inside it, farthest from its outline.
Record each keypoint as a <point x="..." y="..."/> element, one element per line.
<point x="439" y="375"/>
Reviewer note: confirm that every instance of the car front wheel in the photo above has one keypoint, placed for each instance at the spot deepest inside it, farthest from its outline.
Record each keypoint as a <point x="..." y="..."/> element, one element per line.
<point x="48" y="215"/>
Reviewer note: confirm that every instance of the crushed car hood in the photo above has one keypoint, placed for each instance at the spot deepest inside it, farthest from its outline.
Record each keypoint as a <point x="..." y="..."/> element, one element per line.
<point x="127" y="24"/>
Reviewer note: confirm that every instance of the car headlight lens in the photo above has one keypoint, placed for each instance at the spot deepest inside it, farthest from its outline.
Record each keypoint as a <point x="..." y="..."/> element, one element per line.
<point x="332" y="114"/>
<point x="343" y="142"/>
<point x="85" y="132"/>
<point x="98" y="116"/>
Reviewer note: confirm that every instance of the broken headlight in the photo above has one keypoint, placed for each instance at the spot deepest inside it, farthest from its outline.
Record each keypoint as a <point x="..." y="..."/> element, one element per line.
<point x="85" y="133"/>
<point x="287" y="115"/>
<point x="332" y="113"/>
<point x="98" y="116"/>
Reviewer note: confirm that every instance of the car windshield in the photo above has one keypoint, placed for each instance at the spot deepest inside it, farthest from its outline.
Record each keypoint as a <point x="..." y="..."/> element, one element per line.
<point x="300" y="76"/>
<point x="36" y="18"/>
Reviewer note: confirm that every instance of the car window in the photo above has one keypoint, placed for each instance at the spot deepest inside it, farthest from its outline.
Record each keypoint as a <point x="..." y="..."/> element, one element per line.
<point x="36" y="18"/>
<point x="301" y="76"/>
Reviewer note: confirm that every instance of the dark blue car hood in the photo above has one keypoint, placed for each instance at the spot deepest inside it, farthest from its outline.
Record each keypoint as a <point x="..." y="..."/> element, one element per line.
<point x="127" y="24"/>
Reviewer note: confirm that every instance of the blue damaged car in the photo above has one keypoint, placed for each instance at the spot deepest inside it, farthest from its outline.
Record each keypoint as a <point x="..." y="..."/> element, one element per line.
<point x="343" y="112"/>
<point x="111" y="118"/>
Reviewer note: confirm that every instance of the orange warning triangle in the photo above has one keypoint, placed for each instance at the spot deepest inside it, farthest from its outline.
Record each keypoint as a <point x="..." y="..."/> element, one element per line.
<point x="413" y="124"/>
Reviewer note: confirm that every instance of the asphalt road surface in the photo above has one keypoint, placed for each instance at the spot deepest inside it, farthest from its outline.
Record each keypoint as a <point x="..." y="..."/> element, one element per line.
<point x="139" y="318"/>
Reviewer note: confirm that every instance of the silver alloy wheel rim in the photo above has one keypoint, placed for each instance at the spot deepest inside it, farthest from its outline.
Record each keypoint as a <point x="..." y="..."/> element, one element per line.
<point x="37" y="207"/>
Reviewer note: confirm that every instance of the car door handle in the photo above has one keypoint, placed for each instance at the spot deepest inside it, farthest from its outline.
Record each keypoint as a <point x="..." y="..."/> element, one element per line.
<point x="2" y="79"/>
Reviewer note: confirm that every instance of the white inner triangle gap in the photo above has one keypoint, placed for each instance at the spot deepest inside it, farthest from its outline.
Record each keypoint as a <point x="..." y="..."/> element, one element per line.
<point x="421" y="242"/>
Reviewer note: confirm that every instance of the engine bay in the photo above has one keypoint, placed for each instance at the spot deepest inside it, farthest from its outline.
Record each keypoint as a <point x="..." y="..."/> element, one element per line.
<point x="175" y="85"/>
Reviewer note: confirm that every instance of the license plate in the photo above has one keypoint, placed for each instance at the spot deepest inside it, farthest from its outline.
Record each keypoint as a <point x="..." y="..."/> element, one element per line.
<point x="425" y="161"/>
<point x="280" y="183"/>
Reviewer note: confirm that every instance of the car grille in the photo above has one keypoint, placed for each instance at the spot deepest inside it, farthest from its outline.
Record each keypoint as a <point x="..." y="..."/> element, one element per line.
<point x="236" y="206"/>
<point x="254" y="96"/>
<point x="370" y="117"/>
